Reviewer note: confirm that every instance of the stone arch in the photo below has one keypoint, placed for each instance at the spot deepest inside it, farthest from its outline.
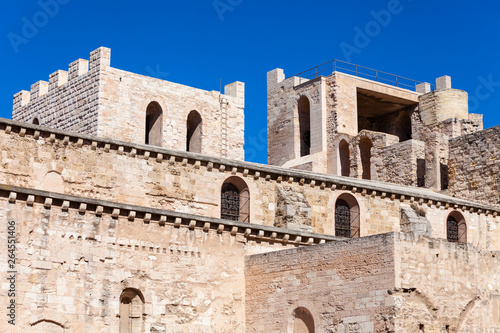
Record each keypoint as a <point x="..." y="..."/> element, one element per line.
<point x="42" y="321"/>
<point x="47" y="325"/>
<point x="304" y="115"/>
<point x="301" y="321"/>
<point x="347" y="216"/>
<point x="426" y="313"/>
<point x="456" y="228"/>
<point x="365" y="154"/>
<point x="344" y="158"/>
<point x="235" y="200"/>
<point x="154" y="124"/>
<point x="131" y="311"/>
<point x="194" y="132"/>
<point x="53" y="182"/>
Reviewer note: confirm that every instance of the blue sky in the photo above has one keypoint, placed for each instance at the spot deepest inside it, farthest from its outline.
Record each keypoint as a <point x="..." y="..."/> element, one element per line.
<point x="199" y="43"/>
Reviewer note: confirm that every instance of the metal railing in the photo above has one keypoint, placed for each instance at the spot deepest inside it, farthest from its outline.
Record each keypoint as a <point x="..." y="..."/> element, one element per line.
<point x="335" y="65"/>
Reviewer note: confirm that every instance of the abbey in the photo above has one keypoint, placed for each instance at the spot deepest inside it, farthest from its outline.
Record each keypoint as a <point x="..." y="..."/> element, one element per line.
<point x="134" y="210"/>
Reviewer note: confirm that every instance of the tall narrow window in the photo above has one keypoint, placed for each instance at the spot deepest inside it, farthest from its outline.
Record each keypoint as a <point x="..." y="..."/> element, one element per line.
<point x="154" y="126"/>
<point x="235" y="200"/>
<point x="36" y="121"/>
<point x="346" y="216"/>
<point x="365" y="147"/>
<point x="193" y="137"/>
<point x="304" y="125"/>
<point x="456" y="228"/>
<point x="131" y="311"/>
<point x="344" y="158"/>
<point x="302" y="321"/>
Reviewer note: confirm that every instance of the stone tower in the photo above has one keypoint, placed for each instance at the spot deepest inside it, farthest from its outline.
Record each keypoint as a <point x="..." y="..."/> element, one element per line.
<point x="384" y="128"/>
<point x="96" y="99"/>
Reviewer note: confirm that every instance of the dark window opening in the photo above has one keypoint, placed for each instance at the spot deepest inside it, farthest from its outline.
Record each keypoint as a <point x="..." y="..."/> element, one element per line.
<point x="230" y="202"/>
<point x="131" y="311"/>
<point x="154" y="118"/>
<point x="444" y="176"/>
<point x="346" y="217"/>
<point x="304" y="125"/>
<point x="235" y="200"/>
<point x="303" y="321"/>
<point x="420" y="172"/>
<point x="365" y="146"/>
<point x="194" y="132"/>
<point x="456" y="228"/>
<point x="342" y="219"/>
<point x="344" y="156"/>
<point x="36" y="121"/>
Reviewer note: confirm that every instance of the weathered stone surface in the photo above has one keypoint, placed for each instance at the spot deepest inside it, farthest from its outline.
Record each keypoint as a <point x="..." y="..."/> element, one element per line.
<point x="113" y="235"/>
<point x="382" y="283"/>
<point x="174" y="185"/>
<point x="474" y="166"/>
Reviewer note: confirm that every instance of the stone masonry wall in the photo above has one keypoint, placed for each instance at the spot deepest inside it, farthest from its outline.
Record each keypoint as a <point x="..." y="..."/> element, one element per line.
<point x="282" y="144"/>
<point x="342" y="284"/>
<point x="398" y="163"/>
<point x="75" y="259"/>
<point x="125" y="97"/>
<point x="385" y="283"/>
<point x="474" y="166"/>
<point x="167" y="179"/>
<point x="446" y="287"/>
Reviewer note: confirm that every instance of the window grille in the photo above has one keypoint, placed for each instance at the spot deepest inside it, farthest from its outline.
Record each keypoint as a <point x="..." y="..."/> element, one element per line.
<point x="230" y="202"/>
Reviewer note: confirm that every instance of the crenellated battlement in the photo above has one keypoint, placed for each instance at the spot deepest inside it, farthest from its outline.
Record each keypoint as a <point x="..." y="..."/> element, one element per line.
<point x="69" y="99"/>
<point x="100" y="59"/>
<point x="57" y="79"/>
<point x="38" y="89"/>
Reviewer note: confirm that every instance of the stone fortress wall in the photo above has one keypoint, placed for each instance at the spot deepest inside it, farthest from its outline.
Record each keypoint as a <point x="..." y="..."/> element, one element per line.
<point x="475" y="166"/>
<point x="383" y="283"/>
<point x="116" y="235"/>
<point x="96" y="99"/>
<point x="69" y="163"/>
<point x="76" y="256"/>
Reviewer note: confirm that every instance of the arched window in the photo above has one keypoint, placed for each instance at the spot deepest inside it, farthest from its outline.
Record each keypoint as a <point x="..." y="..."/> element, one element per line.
<point x="154" y="126"/>
<point x="302" y="321"/>
<point x="346" y="216"/>
<point x="365" y="147"/>
<point x="193" y="137"/>
<point x="36" y="121"/>
<point x="131" y="311"/>
<point x="456" y="228"/>
<point x="344" y="157"/>
<point x="235" y="200"/>
<point x="304" y="125"/>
